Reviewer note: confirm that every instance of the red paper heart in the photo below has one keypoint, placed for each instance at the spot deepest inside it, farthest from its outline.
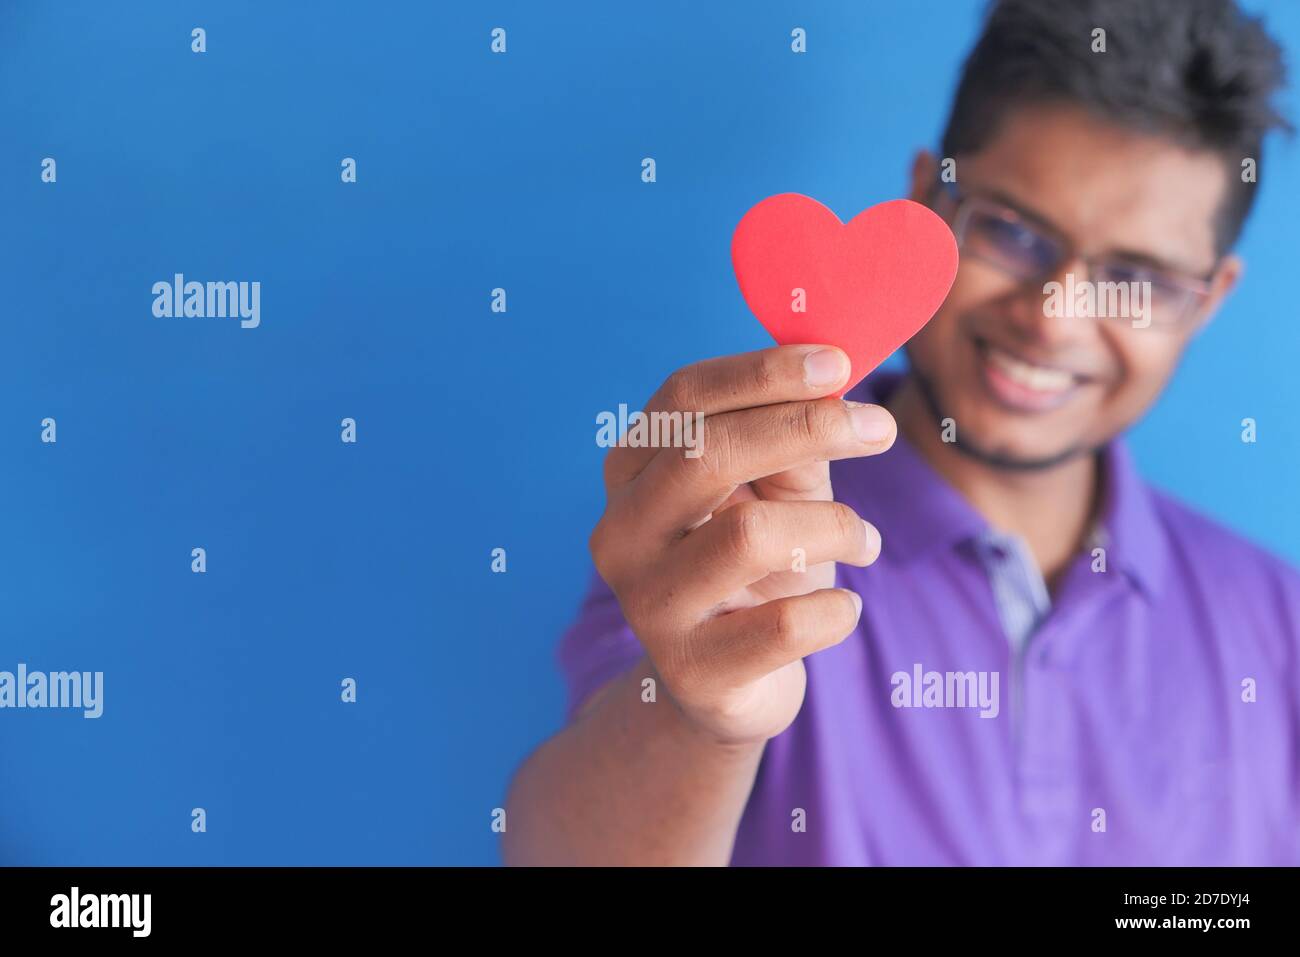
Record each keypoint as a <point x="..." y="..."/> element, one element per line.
<point x="868" y="285"/>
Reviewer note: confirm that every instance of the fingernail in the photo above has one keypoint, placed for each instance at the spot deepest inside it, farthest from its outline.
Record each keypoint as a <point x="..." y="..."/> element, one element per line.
<point x="872" y="544"/>
<point x="825" y="367"/>
<point x="871" y="422"/>
<point x="857" y="599"/>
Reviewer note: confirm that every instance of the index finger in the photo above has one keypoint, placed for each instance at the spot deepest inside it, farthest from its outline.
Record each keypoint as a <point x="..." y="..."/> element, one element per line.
<point x="729" y="383"/>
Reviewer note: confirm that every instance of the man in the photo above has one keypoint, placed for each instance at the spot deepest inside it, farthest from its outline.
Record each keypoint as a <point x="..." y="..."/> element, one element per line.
<point x="1051" y="662"/>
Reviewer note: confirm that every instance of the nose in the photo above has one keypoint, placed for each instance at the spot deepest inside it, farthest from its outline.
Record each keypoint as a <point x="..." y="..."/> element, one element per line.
<point x="1045" y="311"/>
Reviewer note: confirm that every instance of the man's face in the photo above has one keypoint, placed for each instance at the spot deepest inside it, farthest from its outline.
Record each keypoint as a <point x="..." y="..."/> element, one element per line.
<point x="1024" y="385"/>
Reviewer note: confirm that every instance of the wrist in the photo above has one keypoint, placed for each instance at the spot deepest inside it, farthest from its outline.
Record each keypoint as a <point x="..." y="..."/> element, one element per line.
<point x="695" y="734"/>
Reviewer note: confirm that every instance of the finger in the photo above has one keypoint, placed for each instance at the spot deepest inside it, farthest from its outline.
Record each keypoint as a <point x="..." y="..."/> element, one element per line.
<point x="803" y="483"/>
<point x="748" y="541"/>
<point x="728" y="383"/>
<point x="744" y="446"/>
<point x="743" y="646"/>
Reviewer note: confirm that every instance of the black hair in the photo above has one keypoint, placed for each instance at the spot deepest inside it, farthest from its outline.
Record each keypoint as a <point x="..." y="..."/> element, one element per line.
<point x="1198" y="71"/>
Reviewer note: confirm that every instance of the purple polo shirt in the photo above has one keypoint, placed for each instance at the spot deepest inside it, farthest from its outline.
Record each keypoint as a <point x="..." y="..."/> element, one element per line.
<point x="1151" y="715"/>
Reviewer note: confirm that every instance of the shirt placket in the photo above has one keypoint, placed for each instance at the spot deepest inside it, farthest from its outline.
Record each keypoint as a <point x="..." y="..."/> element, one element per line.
<point x="1051" y="780"/>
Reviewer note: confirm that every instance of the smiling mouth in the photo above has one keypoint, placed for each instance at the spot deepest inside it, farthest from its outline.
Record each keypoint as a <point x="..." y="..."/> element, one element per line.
<point x="1021" y="385"/>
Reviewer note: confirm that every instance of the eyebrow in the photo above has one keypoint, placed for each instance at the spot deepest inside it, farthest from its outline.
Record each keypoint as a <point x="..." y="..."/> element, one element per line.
<point x="1023" y="212"/>
<point x="1135" y="257"/>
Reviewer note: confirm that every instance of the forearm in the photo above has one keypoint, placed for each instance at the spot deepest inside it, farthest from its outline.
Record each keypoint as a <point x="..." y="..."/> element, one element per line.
<point x="631" y="783"/>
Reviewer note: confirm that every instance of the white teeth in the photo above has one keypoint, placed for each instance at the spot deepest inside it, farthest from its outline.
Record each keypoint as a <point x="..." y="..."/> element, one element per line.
<point x="1034" y="377"/>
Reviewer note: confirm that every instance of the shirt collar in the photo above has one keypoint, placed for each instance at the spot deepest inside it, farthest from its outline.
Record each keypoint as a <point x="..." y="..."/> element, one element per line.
<point x="918" y="513"/>
<point x="1130" y="529"/>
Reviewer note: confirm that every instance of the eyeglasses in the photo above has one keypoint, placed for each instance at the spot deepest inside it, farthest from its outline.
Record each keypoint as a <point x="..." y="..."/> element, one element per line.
<point x="995" y="233"/>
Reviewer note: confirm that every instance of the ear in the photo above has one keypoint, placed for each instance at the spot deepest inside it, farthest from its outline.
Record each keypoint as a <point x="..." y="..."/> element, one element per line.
<point x="925" y="169"/>
<point x="1225" y="280"/>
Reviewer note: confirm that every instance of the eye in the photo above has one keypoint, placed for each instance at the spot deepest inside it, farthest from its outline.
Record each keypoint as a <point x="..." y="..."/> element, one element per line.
<point x="1009" y="234"/>
<point x="1018" y="242"/>
<point x="1126" y="272"/>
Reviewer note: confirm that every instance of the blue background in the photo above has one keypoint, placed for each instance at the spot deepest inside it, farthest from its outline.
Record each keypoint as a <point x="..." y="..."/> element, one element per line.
<point x="475" y="430"/>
